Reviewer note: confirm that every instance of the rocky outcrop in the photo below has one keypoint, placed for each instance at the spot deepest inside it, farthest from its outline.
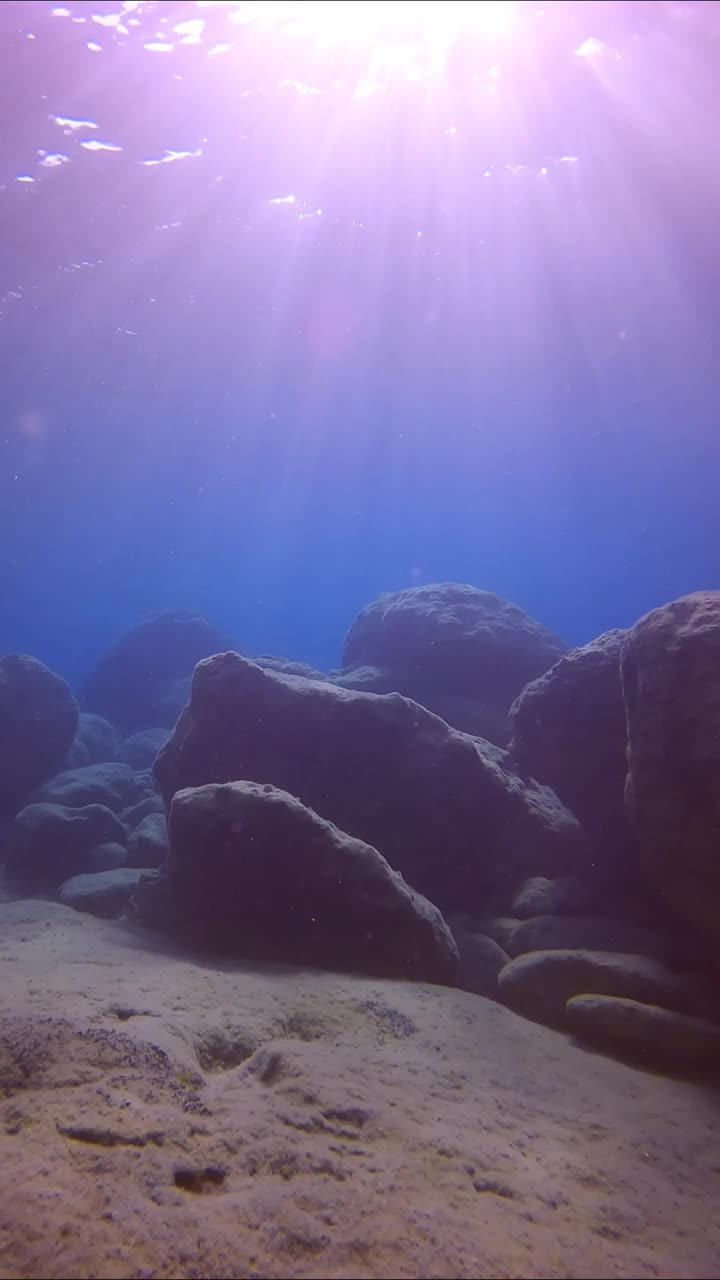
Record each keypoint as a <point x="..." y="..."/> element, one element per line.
<point x="463" y="653"/>
<point x="671" y="683"/>
<point x="446" y="810"/>
<point x="254" y="872"/>
<point x="568" y="730"/>
<point x="133" y="686"/>
<point x="38" y="719"/>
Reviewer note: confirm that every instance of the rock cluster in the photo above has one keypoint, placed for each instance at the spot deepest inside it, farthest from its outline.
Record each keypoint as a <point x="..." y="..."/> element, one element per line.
<point x="357" y="820"/>
<point x="461" y="652"/>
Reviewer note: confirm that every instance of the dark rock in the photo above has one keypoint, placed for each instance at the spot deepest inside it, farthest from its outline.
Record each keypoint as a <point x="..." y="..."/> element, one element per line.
<point x="671" y="682"/>
<point x="38" y="719"/>
<point x="499" y="928"/>
<point x="148" y="843"/>
<point x="140" y="749"/>
<point x="467" y="714"/>
<point x="540" y="983"/>
<point x="481" y="960"/>
<point x="463" y="653"/>
<point x="568" y="730"/>
<point x="540" y="896"/>
<point x="96" y="741"/>
<point x="252" y="871"/>
<point x="288" y="668"/>
<point x="440" y="806"/>
<point x="104" y="893"/>
<point x="645" y="1034"/>
<point x="593" y="933"/>
<point x="200" y="1178"/>
<point x="107" y="856"/>
<point x="365" y="680"/>
<point x="50" y="843"/>
<point x="145" y="784"/>
<point x="132" y="817"/>
<point x="130" y="686"/>
<point x="113" y="785"/>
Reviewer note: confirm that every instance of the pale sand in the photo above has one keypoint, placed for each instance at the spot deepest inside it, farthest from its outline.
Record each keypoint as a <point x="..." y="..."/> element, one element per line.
<point x="401" y="1130"/>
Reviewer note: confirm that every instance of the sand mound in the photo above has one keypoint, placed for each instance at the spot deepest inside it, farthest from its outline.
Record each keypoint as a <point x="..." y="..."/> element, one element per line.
<point x="165" y="1117"/>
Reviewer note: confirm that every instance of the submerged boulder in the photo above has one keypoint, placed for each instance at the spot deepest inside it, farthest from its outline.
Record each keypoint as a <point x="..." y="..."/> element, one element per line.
<point x="96" y="741"/>
<point x="101" y="893"/>
<point x="445" y="809"/>
<point x="113" y="785"/>
<point x="38" y="719"/>
<point x="481" y="960"/>
<point x="287" y="667"/>
<point x="140" y="749"/>
<point x="463" y="653"/>
<point x="671" y="683"/>
<point x="599" y="933"/>
<point x="49" y="843"/>
<point x="148" y="842"/>
<point x="133" y="685"/>
<point x="252" y="871"/>
<point x="568" y="730"/>
<point x="539" y="896"/>
<point x="134" y="814"/>
<point x="645" y="1033"/>
<point x="540" y="983"/>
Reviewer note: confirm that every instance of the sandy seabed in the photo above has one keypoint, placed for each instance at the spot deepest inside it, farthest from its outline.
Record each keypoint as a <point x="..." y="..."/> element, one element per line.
<point x="162" y="1116"/>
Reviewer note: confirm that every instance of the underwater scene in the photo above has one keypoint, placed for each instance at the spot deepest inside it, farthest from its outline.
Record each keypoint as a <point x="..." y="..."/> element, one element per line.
<point x="360" y="640"/>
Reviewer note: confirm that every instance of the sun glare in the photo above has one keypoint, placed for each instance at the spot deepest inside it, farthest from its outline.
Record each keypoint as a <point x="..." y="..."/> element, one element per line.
<point x="381" y="25"/>
<point x="348" y="19"/>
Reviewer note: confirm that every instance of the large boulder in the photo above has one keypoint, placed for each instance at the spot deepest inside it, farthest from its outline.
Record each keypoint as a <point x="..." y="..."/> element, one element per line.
<point x="133" y="685"/>
<point x="96" y="741"/>
<point x="254" y="872"/>
<point x="148" y="842"/>
<point x="671" y="683"/>
<point x="38" y="719"/>
<point x="287" y="667"/>
<point x="540" y="983"/>
<point x="539" y="896"/>
<point x="101" y="893"/>
<point x="645" y="1034"/>
<point x="113" y="785"/>
<point x="140" y="749"/>
<point x="461" y="652"/>
<point x="136" y="813"/>
<point x="445" y="809"/>
<point x="481" y="960"/>
<point x="599" y="933"/>
<point x="568" y="730"/>
<point x="50" y="843"/>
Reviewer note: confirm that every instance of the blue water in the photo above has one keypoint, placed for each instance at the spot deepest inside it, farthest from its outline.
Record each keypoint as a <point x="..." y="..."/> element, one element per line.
<point x="353" y="335"/>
